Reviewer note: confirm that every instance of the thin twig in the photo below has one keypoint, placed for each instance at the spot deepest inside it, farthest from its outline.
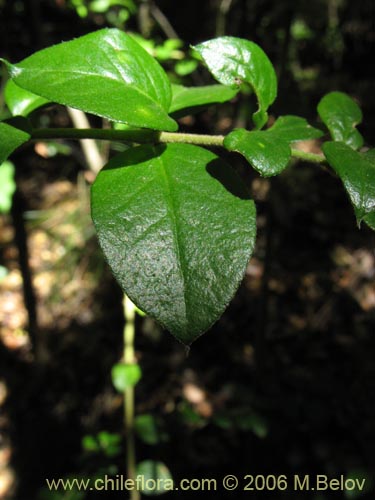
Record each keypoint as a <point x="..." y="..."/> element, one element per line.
<point x="222" y="12"/>
<point x="91" y="152"/>
<point x="129" y="359"/>
<point x="163" y="21"/>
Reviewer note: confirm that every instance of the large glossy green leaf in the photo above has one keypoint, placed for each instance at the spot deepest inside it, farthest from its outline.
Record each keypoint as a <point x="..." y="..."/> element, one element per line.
<point x="341" y="115"/>
<point x="105" y="73"/>
<point x="357" y="172"/>
<point x="234" y="61"/>
<point x="11" y="138"/>
<point x="269" y="151"/>
<point x="20" y="101"/>
<point x="189" y="97"/>
<point x="177" y="227"/>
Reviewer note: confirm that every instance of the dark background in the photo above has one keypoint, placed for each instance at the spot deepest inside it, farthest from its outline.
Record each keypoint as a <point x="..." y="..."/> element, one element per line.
<point x="284" y="382"/>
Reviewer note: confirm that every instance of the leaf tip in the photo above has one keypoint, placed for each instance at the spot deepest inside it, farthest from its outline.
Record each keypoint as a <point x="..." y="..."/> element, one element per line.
<point x="13" y="70"/>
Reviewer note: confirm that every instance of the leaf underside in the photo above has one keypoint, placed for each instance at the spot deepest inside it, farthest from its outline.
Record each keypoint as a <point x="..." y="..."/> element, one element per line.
<point x="177" y="227"/>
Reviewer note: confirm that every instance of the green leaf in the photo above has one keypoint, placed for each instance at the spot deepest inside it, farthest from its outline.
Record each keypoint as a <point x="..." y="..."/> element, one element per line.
<point x="266" y="155"/>
<point x="292" y="128"/>
<point x="188" y="97"/>
<point x="105" y="73"/>
<point x="234" y="61"/>
<point x="370" y="220"/>
<point x="156" y="478"/>
<point x="357" y="172"/>
<point x="268" y="151"/>
<point x="20" y="101"/>
<point x="110" y="443"/>
<point x="147" y="428"/>
<point x="185" y="67"/>
<point x="341" y="114"/>
<point x="125" y="375"/>
<point x="370" y="154"/>
<point x="254" y="423"/>
<point x="11" y="138"/>
<point x="178" y="228"/>
<point x="89" y="443"/>
<point x="7" y="186"/>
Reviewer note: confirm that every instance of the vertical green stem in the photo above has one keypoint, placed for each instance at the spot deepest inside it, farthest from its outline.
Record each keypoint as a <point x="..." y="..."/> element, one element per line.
<point x="129" y="359"/>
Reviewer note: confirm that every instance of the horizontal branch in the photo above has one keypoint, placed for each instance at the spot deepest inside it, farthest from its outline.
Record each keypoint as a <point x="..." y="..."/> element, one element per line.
<point x="134" y="135"/>
<point x="312" y="157"/>
<point x="142" y="136"/>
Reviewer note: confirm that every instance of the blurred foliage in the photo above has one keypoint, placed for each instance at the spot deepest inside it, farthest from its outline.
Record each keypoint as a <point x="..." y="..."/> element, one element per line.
<point x="104" y="442"/>
<point x="155" y="472"/>
<point x="115" y="12"/>
<point x="7" y="186"/>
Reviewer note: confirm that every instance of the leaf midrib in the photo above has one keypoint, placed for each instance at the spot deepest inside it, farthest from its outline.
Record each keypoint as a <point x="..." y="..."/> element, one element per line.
<point x="171" y="206"/>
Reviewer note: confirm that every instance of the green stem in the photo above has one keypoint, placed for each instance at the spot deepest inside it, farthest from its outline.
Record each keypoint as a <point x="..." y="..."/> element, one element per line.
<point x="200" y="139"/>
<point x="129" y="359"/>
<point x="150" y="136"/>
<point x="312" y="157"/>
<point x="134" y="135"/>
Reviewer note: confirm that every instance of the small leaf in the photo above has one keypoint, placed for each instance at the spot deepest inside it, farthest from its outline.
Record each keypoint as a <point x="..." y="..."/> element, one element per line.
<point x="20" y="101"/>
<point x="234" y="61"/>
<point x="11" y="138"/>
<point x="89" y="443"/>
<point x="125" y="375"/>
<point x="268" y="151"/>
<point x="188" y="97"/>
<point x="105" y="73"/>
<point x="147" y="428"/>
<point x="254" y="423"/>
<point x="185" y="67"/>
<point x="293" y="128"/>
<point x="268" y="155"/>
<point x="341" y="114"/>
<point x="7" y="186"/>
<point x="177" y="227"/>
<point x="357" y="172"/>
<point x="156" y="478"/>
<point x="110" y="443"/>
